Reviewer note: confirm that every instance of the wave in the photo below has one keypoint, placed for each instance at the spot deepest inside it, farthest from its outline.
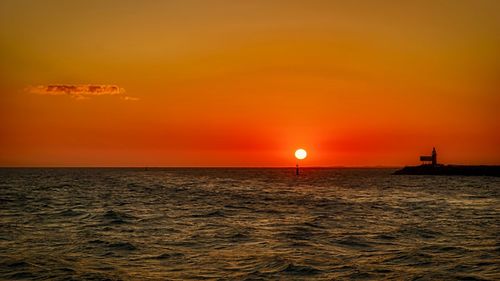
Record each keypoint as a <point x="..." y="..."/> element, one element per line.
<point x="113" y="217"/>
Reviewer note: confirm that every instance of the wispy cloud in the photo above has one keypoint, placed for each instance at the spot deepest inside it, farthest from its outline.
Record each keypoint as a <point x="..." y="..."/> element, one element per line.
<point x="79" y="91"/>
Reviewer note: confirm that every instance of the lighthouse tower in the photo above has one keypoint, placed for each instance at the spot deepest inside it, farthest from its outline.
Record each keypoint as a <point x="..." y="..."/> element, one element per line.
<point x="434" y="157"/>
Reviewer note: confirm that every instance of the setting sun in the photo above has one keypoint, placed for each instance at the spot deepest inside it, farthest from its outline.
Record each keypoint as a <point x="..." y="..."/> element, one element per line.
<point x="300" y="154"/>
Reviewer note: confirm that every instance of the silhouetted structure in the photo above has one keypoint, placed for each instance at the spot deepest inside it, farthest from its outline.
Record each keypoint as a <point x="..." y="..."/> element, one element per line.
<point x="431" y="167"/>
<point x="297" y="170"/>
<point x="432" y="159"/>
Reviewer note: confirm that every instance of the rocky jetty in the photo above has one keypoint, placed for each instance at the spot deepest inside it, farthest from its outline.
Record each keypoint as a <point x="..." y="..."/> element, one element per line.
<point x="458" y="170"/>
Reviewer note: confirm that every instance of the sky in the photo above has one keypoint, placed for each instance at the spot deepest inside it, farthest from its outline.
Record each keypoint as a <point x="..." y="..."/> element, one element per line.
<point x="245" y="83"/>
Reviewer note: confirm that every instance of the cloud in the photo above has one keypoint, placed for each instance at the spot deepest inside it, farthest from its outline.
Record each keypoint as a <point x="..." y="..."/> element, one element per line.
<point x="79" y="91"/>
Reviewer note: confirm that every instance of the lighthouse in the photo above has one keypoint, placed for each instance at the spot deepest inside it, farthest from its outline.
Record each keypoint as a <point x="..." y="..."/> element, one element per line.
<point x="434" y="157"/>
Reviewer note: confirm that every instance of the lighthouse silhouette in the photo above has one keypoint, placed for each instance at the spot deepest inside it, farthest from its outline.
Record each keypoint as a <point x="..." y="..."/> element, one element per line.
<point x="432" y="159"/>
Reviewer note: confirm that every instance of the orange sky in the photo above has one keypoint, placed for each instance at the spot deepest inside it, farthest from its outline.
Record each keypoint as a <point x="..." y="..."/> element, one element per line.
<point x="245" y="83"/>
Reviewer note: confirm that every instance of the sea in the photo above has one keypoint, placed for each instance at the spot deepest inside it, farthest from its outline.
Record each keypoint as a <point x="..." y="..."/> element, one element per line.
<point x="246" y="224"/>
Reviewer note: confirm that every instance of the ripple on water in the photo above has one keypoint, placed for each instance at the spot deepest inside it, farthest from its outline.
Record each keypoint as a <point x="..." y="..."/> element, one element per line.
<point x="106" y="247"/>
<point x="216" y="213"/>
<point x="279" y="266"/>
<point x="410" y="259"/>
<point x="418" y="231"/>
<point x="114" y="217"/>
<point x="302" y="270"/>
<point x="354" y="242"/>
<point x="70" y="213"/>
<point x="166" y="256"/>
<point x="18" y="264"/>
<point x="24" y="275"/>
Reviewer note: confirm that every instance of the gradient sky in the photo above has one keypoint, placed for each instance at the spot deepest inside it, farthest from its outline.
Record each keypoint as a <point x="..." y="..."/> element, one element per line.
<point x="245" y="83"/>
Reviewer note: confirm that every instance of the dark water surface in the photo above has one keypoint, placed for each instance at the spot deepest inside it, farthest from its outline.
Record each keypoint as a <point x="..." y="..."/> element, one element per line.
<point x="250" y="224"/>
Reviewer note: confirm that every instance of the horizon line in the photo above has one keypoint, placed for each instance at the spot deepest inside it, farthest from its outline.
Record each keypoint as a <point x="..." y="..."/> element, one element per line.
<point x="200" y="167"/>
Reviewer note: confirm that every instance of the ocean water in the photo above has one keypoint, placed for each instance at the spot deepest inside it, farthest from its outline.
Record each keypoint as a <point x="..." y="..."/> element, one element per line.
<point x="246" y="224"/>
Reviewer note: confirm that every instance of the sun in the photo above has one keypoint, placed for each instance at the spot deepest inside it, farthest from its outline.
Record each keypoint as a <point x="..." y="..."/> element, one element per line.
<point x="300" y="154"/>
